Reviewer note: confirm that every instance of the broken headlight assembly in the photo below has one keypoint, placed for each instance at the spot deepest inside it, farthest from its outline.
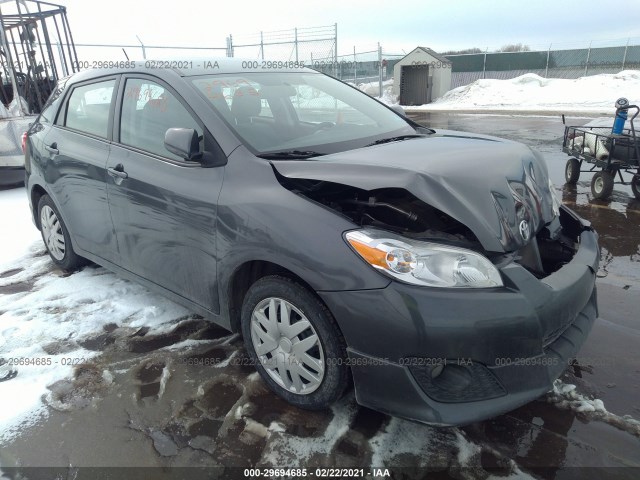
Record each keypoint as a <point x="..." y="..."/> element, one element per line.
<point x="423" y="263"/>
<point x="554" y="199"/>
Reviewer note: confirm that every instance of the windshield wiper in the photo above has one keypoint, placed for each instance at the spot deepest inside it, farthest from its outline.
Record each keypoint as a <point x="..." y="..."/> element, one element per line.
<point x="394" y="139"/>
<point x="290" y="154"/>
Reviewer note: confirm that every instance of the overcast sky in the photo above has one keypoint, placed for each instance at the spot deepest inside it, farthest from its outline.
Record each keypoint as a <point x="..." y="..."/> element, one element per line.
<point x="398" y="25"/>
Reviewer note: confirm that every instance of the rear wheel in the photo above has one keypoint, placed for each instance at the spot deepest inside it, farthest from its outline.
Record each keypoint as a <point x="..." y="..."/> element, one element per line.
<point x="56" y="236"/>
<point x="572" y="171"/>
<point x="295" y="343"/>
<point x="602" y="185"/>
<point x="635" y="185"/>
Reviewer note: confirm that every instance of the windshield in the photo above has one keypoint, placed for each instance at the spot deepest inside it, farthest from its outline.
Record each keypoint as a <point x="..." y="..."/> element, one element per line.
<point x="301" y="112"/>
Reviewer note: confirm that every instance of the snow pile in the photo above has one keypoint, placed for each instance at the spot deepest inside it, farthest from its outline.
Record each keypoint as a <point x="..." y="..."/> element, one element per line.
<point x="566" y="396"/>
<point x="373" y="89"/>
<point x="593" y="94"/>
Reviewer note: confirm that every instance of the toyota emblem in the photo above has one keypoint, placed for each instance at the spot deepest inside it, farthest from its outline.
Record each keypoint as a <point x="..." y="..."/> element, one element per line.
<point x="525" y="233"/>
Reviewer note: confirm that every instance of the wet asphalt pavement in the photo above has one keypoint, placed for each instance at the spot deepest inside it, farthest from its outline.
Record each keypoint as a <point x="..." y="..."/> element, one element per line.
<point x="202" y="405"/>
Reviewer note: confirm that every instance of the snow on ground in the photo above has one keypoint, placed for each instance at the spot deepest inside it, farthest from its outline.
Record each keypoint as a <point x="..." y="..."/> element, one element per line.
<point x="291" y="451"/>
<point x="49" y="308"/>
<point x="594" y="94"/>
<point x="18" y="233"/>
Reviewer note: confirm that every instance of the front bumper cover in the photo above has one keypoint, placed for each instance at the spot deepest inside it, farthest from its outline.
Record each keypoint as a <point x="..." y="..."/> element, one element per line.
<point x="453" y="357"/>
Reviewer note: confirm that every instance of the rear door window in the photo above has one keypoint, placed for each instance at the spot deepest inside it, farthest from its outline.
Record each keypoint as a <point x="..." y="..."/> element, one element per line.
<point x="88" y="108"/>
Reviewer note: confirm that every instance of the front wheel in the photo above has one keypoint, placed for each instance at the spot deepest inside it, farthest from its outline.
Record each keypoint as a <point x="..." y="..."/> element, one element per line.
<point x="602" y="185"/>
<point x="635" y="185"/>
<point x="572" y="171"/>
<point x="56" y="236"/>
<point x="295" y="343"/>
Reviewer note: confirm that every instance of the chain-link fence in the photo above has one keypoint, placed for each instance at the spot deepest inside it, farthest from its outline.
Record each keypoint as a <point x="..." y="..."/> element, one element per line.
<point x="91" y="53"/>
<point x="360" y="67"/>
<point x="316" y="47"/>
<point x="571" y="63"/>
<point x="296" y="45"/>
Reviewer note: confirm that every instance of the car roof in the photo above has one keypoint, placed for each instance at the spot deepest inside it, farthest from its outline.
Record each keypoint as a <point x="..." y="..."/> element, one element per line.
<point x="187" y="67"/>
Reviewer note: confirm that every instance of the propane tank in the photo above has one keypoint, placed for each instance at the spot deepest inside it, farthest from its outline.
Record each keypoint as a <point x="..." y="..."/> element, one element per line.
<point x="621" y="115"/>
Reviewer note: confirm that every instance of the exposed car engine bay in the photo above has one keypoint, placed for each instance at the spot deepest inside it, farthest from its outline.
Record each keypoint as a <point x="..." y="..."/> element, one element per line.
<point x="392" y="209"/>
<point x="397" y="210"/>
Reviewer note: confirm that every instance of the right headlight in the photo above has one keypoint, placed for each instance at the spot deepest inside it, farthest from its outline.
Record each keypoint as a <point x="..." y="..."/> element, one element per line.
<point x="424" y="263"/>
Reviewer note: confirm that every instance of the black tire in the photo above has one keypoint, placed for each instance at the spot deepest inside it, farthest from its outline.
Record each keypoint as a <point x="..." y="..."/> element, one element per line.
<point x="572" y="171"/>
<point x="602" y="185"/>
<point x="336" y="377"/>
<point x="69" y="260"/>
<point x="635" y="185"/>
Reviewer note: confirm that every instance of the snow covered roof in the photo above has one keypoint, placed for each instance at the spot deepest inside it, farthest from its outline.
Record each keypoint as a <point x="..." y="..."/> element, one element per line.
<point x="428" y="51"/>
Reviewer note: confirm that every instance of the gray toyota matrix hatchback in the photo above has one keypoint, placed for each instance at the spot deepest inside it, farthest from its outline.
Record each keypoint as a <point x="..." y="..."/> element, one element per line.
<point x="435" y="271"/>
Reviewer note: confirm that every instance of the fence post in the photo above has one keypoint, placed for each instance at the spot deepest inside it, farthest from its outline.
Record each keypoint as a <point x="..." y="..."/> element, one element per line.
<point x="624" y="58"/>
<point x="546" y="69"/>
<point x="261" y="45"/>
<point x="229" y="46"/>
<point x="586" y="65"/>
<point x="355" y="68"/>
<point x="144" y="54"/>
<point x="380" y="70"/>
<point x="335" y="49"/>
<point x="484" y="64"/>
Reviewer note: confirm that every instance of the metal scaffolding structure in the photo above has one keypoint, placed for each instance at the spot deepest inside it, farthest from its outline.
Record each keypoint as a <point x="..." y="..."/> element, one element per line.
<point x="36" y="47"/>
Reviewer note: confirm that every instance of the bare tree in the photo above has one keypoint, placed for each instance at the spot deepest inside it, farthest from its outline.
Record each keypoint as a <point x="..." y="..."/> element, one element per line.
<point x="461" y="52"/>
<point x="514" y="47"/>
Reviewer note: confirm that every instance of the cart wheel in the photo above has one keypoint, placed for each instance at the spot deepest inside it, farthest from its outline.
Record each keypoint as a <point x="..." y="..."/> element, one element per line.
<point x="572" y="171"/>
<point x="635" y="185"/>
<point x="602" y="185"/>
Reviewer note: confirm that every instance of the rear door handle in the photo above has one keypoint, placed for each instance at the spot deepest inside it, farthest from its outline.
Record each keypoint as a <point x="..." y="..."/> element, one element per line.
<point x="53" y="148"/>
<point x="118" y="171"/>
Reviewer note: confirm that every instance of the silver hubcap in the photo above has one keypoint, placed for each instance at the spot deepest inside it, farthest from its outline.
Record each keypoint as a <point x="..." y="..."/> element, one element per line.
<point x="598" y="184"/>
<point x="52" y="232"/>
<point x="287" y="345"/>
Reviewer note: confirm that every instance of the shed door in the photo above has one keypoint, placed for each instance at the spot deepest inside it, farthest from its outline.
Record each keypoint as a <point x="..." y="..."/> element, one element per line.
<point x="415" y="88"/>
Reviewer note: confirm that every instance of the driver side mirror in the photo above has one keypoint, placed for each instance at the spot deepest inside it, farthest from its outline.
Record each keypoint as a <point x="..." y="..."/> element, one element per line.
<point x="183" y="142"/>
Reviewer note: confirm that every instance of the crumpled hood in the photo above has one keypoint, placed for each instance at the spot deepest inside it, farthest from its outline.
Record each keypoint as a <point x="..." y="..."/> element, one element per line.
<point x="488" y="184"/>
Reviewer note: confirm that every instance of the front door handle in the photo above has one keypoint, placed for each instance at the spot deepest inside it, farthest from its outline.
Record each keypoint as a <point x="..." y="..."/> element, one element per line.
<point x="118" y="171"/>
<point x="53" y="148"/>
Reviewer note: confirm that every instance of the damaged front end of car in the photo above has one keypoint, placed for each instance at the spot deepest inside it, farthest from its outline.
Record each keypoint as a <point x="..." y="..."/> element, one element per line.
<point x="485" y="263"/>
<point x="505" y="209"/>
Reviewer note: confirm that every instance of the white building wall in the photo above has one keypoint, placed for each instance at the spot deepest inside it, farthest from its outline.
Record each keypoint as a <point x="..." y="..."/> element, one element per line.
<point x="441" y="76"/>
